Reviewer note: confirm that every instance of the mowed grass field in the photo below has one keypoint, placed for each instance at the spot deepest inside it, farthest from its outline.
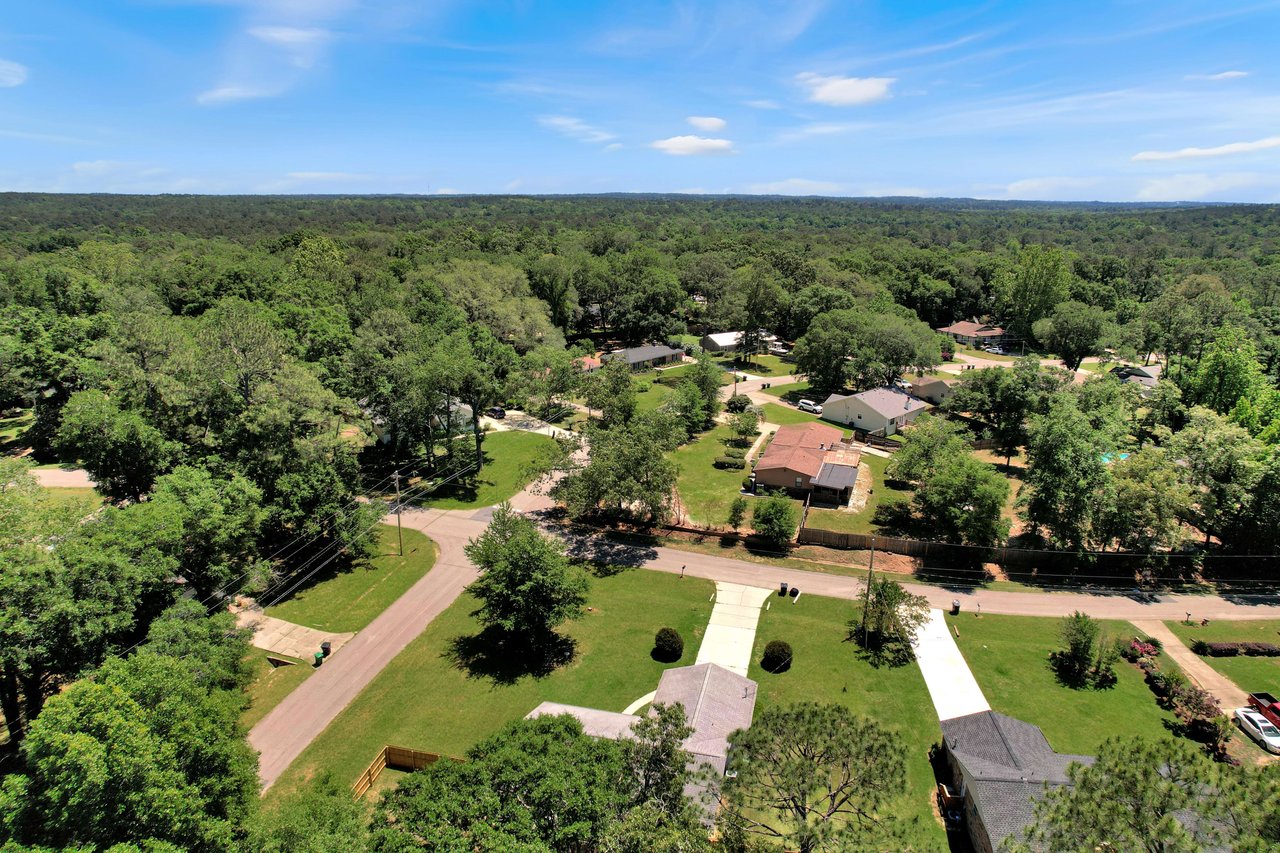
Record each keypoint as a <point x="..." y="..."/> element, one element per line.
<point x="827" y="669"/>
<point x="1251" y="674"/>
<point x="1009" y="656"/>
<point x="862" y="521"/>
<point x="425" y="700"/>
<point x="706" y="490"/>
<point x="510" y="458"/>
<point x="270" y="684"/>
<point x="349" y="599"/>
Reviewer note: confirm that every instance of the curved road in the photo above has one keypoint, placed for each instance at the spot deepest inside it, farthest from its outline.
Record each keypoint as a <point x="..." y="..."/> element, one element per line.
<point x="283" y="734"/>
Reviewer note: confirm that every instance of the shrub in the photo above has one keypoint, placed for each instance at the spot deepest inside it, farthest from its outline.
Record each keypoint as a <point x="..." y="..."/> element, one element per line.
<point x="775" y="518"/>
<point x="737" y="512"/>
<point x="1231" y="649"/>
<point x="1139" y="648"/>
<point x="777" y="657"/>
<point x="730" y="462"/>
<point x="737" y="403"/>
<point x="668" y="645"/>
<point x="735" y="452"/>
<point x="747" y="483"/>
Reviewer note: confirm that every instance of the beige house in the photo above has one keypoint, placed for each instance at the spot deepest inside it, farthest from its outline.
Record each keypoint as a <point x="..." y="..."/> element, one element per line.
<point x="974" y="334"/>
<point x="934" y="391"/>
<point x="880" y="411"/>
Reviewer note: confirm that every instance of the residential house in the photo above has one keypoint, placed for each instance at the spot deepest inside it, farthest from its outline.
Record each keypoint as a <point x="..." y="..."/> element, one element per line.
<point x="880" y="411"/>
<point x="999" y="766"/>
<point x="641" y="358"/>
<point x="932" y="390"/>
<point x="589" y="363"/>
<point x="717" y="702"/>
<point x="721" y="341"/>
<point x="974" y="334"/>
<point x="1147" y="376"/>
<point x="810" y="458"/>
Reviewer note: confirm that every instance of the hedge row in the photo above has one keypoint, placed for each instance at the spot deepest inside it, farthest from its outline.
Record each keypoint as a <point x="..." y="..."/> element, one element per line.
<point x="1226" y="650"/>
<point x="730" y="462"/>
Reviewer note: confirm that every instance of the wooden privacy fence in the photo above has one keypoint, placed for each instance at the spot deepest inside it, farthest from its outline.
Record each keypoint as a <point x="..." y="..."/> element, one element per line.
<point x="397" y="758"/>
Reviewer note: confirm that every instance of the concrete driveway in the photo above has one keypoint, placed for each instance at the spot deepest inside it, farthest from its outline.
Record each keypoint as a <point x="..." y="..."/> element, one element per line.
<point x="954" y="690"/>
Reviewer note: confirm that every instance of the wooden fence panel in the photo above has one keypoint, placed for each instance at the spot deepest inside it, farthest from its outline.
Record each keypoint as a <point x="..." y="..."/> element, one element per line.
<point x="397" y="758"/>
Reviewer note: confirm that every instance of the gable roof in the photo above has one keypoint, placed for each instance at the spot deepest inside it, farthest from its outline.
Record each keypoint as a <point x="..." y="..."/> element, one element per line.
<point x="971" y="329"/>
<point x="595" y="722"/>
<point x="1008" y="763"/>
<point x="888" y="402"/>
<point x="928" y="384"/>
<point x="725" y="339"/>
<point x="800" y="448"/>
<point x="1146" y="376"/>
<point x="717" y="702"/>
<point x="638" y="355"/>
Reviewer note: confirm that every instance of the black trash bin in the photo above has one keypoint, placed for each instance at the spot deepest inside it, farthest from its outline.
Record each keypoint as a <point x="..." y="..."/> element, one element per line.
<point x="782" y="588"/>
<point x="955" y="607"/>
<point x="795" y="591"/>
<point x="325" y="648"/>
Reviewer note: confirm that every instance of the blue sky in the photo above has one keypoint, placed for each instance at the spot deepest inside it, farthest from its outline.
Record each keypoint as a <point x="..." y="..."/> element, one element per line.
<point x="1134" y="100"/>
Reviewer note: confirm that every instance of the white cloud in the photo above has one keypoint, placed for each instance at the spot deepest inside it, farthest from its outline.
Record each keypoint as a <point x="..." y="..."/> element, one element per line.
<point x="845" y="91"/>
<point x="304" y="45"/>
<point x="685" y="146"/>
<point x="1221" y="75"/>
<point x="808" y="131"/>
<point x="708" y="123"/>
<point x="795" y="186"/>
<point x="1049" y="188"/>
<point x="231" y="94"/>
<point x="763" y="104"/>
<point x="576" y="128"/>
<point x="1193" y="187"/>
<point x="1217" y="151"/>
<point x="12" y="74"/>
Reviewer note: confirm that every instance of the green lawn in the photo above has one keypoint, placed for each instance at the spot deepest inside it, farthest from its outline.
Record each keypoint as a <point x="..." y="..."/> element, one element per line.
<point x="759" y="365"/>
<point x="826" y="669"/>
<point x="978" y="353"/>
<point x="651" y="397"/>
<point x="1251" y="674"/>
<point x="791" y="390"/>
<point x="1009" y="655"/>
<point x="671" y="376"/>
<point x="861" y="522"/>
<point x="782" y="415"/>
<point x="424" y="700"/>
<point x="270" y="684"/>
<point x="509" y="461"/>
<point x="705" y="489"/>
<point x="11" y="428"/>
<point x="349" y="600"/>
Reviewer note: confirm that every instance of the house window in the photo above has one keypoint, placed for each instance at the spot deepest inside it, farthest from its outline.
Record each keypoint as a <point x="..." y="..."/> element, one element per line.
<point x="799" y="482"/>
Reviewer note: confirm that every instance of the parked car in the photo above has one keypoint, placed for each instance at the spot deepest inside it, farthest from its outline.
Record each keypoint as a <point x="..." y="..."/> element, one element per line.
<point x="809" y="406"/>
<point x="1266" y="705"/>
<point x="496" y="412"/>
<point x="1259" y="728"/>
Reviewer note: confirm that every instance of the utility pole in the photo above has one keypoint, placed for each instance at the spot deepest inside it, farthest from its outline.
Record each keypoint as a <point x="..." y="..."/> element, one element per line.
<point x="866" y="607"/>
<point x="399" y="533"/>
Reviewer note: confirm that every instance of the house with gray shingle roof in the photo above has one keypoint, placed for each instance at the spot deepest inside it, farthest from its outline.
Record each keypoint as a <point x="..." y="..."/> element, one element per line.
<point x="639" y="358"/>
<point x="880" y="411"/>
<point x="1000" y="767"/>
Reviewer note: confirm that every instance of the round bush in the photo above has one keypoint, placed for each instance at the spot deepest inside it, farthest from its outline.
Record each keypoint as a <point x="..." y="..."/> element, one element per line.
<point x="668" y="645"/>
<point x="737" y="403"/>
<point x="777" y="656"/>
<point x="735" y="453"/>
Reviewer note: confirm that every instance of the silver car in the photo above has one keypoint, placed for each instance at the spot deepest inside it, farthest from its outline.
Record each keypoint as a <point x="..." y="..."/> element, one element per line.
<point x="809" y="406"/>
<point x="1259" y="728"/>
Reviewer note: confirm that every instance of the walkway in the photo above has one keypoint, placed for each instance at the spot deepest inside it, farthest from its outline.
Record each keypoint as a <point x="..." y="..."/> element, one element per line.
<point x="1228" y="694"/>
<point x="287" y="638"/>
<point x="954" y="690"/>
<point x="731" y="630"/>
<point x="63" y="478"/>
<point x="284" y="733"/>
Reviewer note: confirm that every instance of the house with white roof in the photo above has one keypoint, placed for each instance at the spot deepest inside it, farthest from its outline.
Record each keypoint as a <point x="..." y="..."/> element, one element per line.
<point x="880" y="411"/>
<point x="721" y="341"/>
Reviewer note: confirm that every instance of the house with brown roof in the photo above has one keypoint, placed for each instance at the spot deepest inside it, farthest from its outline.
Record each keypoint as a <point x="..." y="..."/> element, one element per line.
<point x="812" y="457"/>
<point x="932" y="390"/>
<point x="974" y="334"/>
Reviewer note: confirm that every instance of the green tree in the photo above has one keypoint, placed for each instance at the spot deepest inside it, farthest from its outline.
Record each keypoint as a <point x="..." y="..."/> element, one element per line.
<point x="1041" y="281"/>
<point x="1227" y="373"/>
<point x="1221" y="464"/>
<point x="321" y="818"/>
<point x="626" y="473"/>
<point x="864" y="348"/>
<point x="737" y="512"/>
<point x="527" y="586"/>
<point x="963" y="499"/>
<point x="745" y="425"/>
<point x="1074" y="330"/>
<point x="689" y="407"/>
<point x="611" y="390"/>
<point x="774" y="518"/>
<point x="929" y="442"/>
<point x="813" y="777"/>
<point x="1080" y="635"/>
<point x="1157" y="796"/>
<point x="1005" y="399"/>
<point x="706" y="376"/>
<point x="888" y="621"/>
<point x="1151" y="500"/>
<point x="122" y="452"/>
<point x="1067" y="490"/>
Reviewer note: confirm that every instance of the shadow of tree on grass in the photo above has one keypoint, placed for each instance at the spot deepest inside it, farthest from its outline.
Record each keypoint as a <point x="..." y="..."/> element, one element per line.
<point x="505" y="658"/>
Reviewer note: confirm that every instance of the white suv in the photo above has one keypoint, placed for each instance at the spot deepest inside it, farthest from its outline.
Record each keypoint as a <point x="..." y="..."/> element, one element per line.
<point x="1259" y="728"/>
<point x="809" y="406"/>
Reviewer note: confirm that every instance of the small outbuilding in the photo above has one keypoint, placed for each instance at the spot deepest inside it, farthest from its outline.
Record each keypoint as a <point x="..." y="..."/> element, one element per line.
<point x="721" y="341"/>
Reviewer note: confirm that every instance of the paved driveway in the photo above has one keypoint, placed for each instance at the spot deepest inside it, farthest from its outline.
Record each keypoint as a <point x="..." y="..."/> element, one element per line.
<point x="954" y="690"/>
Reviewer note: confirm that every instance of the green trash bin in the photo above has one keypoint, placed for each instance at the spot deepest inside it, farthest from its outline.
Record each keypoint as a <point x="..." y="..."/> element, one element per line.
<point x="319" y="658"/>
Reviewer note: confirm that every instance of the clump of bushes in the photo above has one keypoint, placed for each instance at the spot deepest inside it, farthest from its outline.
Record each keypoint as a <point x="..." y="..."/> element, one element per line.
<point x="737" y="403"/>
<point x="1232" y="649"/>
<point x="1141" y="647"/>
<point x="735" y="452"/>
<point x="668" y="645"/>
<point x="777" y="657"/>
<point x="730" y="462"/>
<point x="1199" y="715"/>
